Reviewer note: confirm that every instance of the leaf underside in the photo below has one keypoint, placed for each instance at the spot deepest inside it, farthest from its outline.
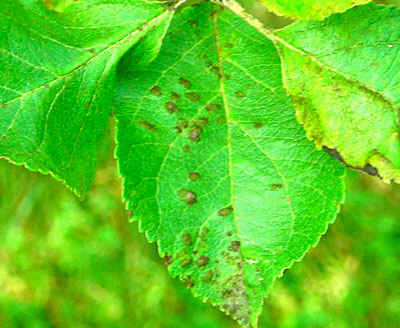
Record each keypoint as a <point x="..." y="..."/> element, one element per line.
<point x="343" y="77"/>
<point x="310" y="9"/>
<point x="215" y="166"/>
<point x="57" y="80"/>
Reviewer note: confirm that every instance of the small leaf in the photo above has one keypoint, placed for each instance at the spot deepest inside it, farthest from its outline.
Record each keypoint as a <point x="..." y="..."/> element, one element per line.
<point x="226" y="181"/>
<point x="57" y="80"/>
<point x="310" y="9"/>
<point x="343" y="77"/>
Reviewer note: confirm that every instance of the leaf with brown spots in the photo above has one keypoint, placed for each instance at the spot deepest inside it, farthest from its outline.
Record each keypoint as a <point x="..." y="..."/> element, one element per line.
<point x="231" y="189"/>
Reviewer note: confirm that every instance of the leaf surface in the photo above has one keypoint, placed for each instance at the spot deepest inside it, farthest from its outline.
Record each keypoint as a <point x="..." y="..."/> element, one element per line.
<point x="215" y="166"/>
<point x="57" y="80"/>
<point x="343" y="77"/>
<point x="310" y="9"/>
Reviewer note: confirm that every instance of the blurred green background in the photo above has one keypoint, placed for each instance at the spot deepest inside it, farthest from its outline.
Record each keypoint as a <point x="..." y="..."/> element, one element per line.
<point x="71" y="263"/>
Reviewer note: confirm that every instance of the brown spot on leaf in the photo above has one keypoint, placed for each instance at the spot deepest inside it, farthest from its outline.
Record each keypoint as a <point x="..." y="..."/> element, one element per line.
<point x="276" y="186"/>
<point x="195" y="133"/>
<point x="148" y="126"/>
<point x="185" y="83"/>
<point x="240" y="94"/>
<point x="225" y="211"/>
<point x="194" y="176"/>
<point x="187" y="239"/>
<point x="202" y="261"/>
<point x="171" y="107"/>
<point x="156" y="91"/>
<point x="187" y="196"/>
<point x="258" y="125"/>
<point x="175" y="97"/>
<point x="192" y="96"/>
<point x="186" y="261"/>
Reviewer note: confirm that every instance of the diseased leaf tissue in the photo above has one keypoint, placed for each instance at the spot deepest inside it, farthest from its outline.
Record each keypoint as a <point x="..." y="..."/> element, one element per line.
<point x="215" y="166"/>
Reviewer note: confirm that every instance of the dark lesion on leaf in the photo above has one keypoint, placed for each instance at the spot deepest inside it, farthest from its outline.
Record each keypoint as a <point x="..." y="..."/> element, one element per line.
<point x="368" y="168"/>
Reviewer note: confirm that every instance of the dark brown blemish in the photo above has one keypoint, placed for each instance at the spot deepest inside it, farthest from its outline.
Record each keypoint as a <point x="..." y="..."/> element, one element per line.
<point x="187" y="196"/>
<point x="276" y="186"/>
<point x="202" y="261"/>
<point x="240" y="94"/>
<point x="258" y="125"/>
<point x="235" y="246"/>
<point x="213" y="107"/>
<point x="171" y="107"/>
<point x="148" y="126"/>
<point x="192" y="96"/>
<point x="225" y="211"/>
<point x="186" y="149"/>
<point x="185" y="83"/>
<point x="175" y="97"/>
<point x="195" y="133"/>
<point x="187" y="239"/>
<point x="167" y="259"/>
<point x="193" y="176"/>
<point x="228" y="45"/>
<point x="156" y="91"/>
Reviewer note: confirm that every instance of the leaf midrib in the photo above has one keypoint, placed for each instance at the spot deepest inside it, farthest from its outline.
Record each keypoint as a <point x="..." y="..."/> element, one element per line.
<point x="229" y="141"/>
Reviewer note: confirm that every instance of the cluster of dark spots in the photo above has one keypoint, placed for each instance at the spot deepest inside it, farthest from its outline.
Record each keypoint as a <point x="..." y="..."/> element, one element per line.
<point x="186" y="149"/>
<point x="92" y="51"/>
<point x="181" y="124"/>
<point x="188" y="281"/>
<point x="175" y="97"/>
<point x="156" y="91"/>
<point x="192" y="96"/>
<point x="202" y="261"/>
<point x="193" y="176"/>
<point x="208" y="276"/>
<point x="185" y="83"/>
<point x="227" y="76"/>
<point x="240" y="94"/>
<point x="186" y="261"/>
<point x="276" y="186"/>
<point x="187" y="196"/>
<point x="187" y="239"/>
<point x="167" y="259"/>
<point x="148" y="126"/>
<point x="195" y="133"/>
<point x="258" y="125"/>
<point x="234" y="246"/>
<point x="171" y="107"/>
<point x="213" y="107"/>
<point x="229" y="233"/>
<point x="225" y="211"/>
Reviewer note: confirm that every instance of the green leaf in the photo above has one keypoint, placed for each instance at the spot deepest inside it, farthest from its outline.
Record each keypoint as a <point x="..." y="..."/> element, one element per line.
<point x="57" y="80"/>
<point x="215" y="166"/>
<point x="310" y="9"/>
<point x="343" y="77"/>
